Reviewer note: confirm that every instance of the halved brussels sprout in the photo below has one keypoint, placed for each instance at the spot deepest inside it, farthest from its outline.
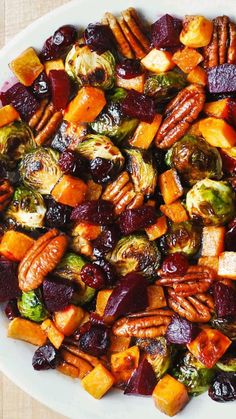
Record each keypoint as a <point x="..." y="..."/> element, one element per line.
<point x="31" y="307"/>
<point x="90" y="68"/>
<point x="39" y="169"/>
<point x="16" y="139"/>
<point x="69" y="268"/>
<point x="164" y="86"/>
<point x="27" y="208"/>
<point x="182" y="237"/>
<point x="136" y="253"/>
<point x="160" y="363"/>
<point x="212" y="201"/>
<point x="142" y="170"/>
<point x="228" y="362"/>
<point x="195" y="159"/>
<point x="227" y="325"/>
<point x="193" y="374"/>
<point x="68" y="135"/>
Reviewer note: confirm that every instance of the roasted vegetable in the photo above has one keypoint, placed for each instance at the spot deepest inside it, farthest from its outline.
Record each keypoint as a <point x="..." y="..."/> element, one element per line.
<point x="39" y="169"/>
<point x="182" y="237"/>
<point x="89" y="68"/>
<point x="193" y="374"/>
<point x="8" y="246"/>
<point x="31" y="307"/>
<point x="86" y="105"/>
<point x="228" y="362"/>
<point x="142" y="170"/>
<point x="227" y="325"/>
<point x="15" y="140"/>
<point x="194" y="159"/>
<point x="26" y="330"/>
<point x="8" y="114"/>
<point x="196" y="32"/>
<point x="170" y="396"/>
<point x="164" y="86"/>
<point x="98" y="382"/>
<point x="211" y="200"/>
<point x="27" y="209"/>
<point x="68" y="135"/>
<point x="69" y="190"/>
<point x="136" y="253"/>
<point x="161" y="362"/>
<point x="158" y="61"/>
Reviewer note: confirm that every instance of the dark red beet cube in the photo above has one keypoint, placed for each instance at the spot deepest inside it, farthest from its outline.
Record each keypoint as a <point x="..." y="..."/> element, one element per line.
<point x="57" y="294"/>
<point x="165" y="32"/>
<point x="230" y="237"/>
<point x="228" y="162"/>
<point x="60" y="88"/>
<point x="225" y="300"/>
<point x="8" y="280"/>
<point x="142" y="381"/>
<point x="137" y="219"/>
<point x="22" y="100"/>
<point x="181" y="331"/>
<point x="97" y="212"/>
<point x="137" y="105"/>
<point x="129" y="296"/>
<point x="222" y="78"/>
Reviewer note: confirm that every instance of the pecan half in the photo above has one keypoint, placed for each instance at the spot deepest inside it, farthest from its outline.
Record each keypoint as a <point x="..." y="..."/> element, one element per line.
<point x="196" y="308"/>
<point x="41" y="259"/>
<point x="93" y="360"/>
<point x="45" y="121"/>
<point x="6" y="192"/>
<point x="179" y="114"/>
<point x="149" y="324"/>
<point x="198" y="279"/>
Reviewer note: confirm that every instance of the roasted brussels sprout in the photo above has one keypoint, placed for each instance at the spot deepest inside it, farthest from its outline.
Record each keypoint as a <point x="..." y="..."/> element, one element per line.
<point x="195" y="159"/>
<point x="136" y="253"/>
<point x="68" y="135"/>
<point x="164" y="86"/>
<point x="227" y="325"/>
<point x="69" y="268"/>
<point x="90" y="68"/>
<point x="27" y="209"/>
<point x="39" y="169"/>
<point x="193" y="374"/>
<point x="182" y="237"/>
<point x="142" y="170"/>
<point x="15" y="140"/>
<point x="212" y="201"/>
<point x="228" y="362"/>
<point x="31" y="307"/>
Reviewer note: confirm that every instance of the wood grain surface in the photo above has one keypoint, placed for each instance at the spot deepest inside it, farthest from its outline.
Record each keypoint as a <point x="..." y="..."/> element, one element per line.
<point x="14" y="16"/>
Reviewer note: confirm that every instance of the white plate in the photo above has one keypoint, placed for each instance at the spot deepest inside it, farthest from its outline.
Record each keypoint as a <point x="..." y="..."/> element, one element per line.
<point x="51" y="388"/>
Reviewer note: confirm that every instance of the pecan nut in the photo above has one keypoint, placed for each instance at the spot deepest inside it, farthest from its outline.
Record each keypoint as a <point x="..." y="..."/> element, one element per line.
<point x="197" y="308"/>
<point x="179" y="114"/>
<point x="41" y="259"/>
<point x="149" y="324"/>
<point x="93" y="360"/>
<point x="6" y="192"/>
<point x="198" y="279"/>
<point x="45" y="121"/>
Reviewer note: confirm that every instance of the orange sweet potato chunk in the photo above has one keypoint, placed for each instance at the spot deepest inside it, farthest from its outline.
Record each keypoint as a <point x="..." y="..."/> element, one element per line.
<point x="219" y="109"/>
<point x="27" y="66"/>
<point x="53" y="334"/>
<point x="86" y="106"/>
<point x="54" y="65"/>
<point x="15" y="245"/>
<point x="156" y="297"/>
<point x="170" y="396"/>
<point x="145" y="133"/>
<point x="26" y="330"/>
<point x="158" y="61"/>
<point x="196" y="32"/>
<point x="175" y="212"/>
<point x="217" y="132"/>
<point x="227" y="265"/>
<point x="69" y="319"/>
<point x="135" y="83"/>
<point x="187" y="59"/>
<point x="68" y="369"/>
<point x="119" y="343"/>
<point x="69" y="191"/>
<point x="213" y="240"/>
<point x="98" y="382"/>
<point x="8" y="114"/>
<point x="170" y="186"/>
<point x="158" y="229"/>
<point x="101" y="302"/>
<point x="124" y="363"/>
<point x="198" y="75"/>
<point x="87" y="231"/>
<point x="210" y="261"/>
<point x="83" y="366"/>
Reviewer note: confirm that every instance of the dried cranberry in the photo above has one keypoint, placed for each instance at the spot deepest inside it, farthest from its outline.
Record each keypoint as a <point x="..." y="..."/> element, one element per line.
<point x="57" y="215"/>
<point x="129" y="68"/>
<point x="11" y="309"/>
<point x="60" y="87"/>
<point x="225" y="300"/>
<point x="22" y="100"/>
<point x="99" y="37"/>
<point x="65" y="36"/>
<point x="93" y="339"/>
<point x="9" y="287"/>
<point x="93" y="276"/>
<point x="165" y="32"/>
<point x="57" y="294"/>
<point x="175" y="264"/>
<point x="106" y="240"/>
<point x="230" y="237"/>
<point x="40" y="87"/>
<point x="98" y="212"/>
<point x="143" y="380"/>
<point x="96" y="319"/>
<point x="139" y="106"/>
<point x="137" y="219"/>
<point x="102" y="170"/>
<point x="223" y="387"/>
<point x="109" y="272"/>
<point x="72" y="163"/>
<point x="159" y="160"/>
<point x="46" y="357"/>
<point x="181" y="331"/>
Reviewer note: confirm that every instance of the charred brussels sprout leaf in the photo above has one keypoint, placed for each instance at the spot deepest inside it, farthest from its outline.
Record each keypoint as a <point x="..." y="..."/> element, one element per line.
<point x="31" y="307"/>
<point x="227" y="325"/>
<point x="195" y="159"/>
<point x="211" y="200"/>
<point x="27" y="209"/>
<point x="142" y="170"/>
<point x="164" y="86"/>
<point x="228" y="362"/>
<point x="182" y="237"/>
<point x="15" y="140"/>
<point x="193" y="374"/>
<point x="90" y="68"/>
<point x="39" y="169"/>
<point x="136" y="253"/>
<point x="68" y="135"/>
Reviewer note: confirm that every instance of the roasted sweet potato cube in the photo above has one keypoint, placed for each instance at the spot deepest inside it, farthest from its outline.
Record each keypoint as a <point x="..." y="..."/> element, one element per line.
<point x="54" y="65"/>
<point x="53" y="334"/>
<point x="196" y="32"/>
<point x="158" y="61"/>
<point x="101" y="302"/>
<point x="86" y="105"/>
<point x="83" y="366"/>
<point x="69" y="190"/>
<point x="135" y="83"/>
<point x="145" y="133"/>
<point x="98" y="382"/>
<point x="219" y="109"/>
<point x="158" y="229"/>
<point x="156" y="297"/>
<point x="26" y="330"/>
<point x="170" y="186"/>
<point x="27" y="66"/>
<point x="124" y="363"/>
<point x="68" y="369"/>
<point x="227" y="265"/>
<point x="94" y="190"/>
<point x="69" y="319"/>
<point x="187" y="59"/>
<point x="15" y="245"/>
<point x="198" y="75"/>
<point x="8" y="114"/>
<point x="87" y="231"/>
<point x="194" y="129"/>
<point x="119" y="343"/>
<point x="170" y="396"/>
<point x="175" y="212"/>
<point x="210" y="261"/>
<point x="209" y="346"/>
<point x="213" y="240"/>
<point x="217" y="132"/>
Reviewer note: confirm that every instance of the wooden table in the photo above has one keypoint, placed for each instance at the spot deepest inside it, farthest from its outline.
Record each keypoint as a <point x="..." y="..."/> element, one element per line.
<point x="14" y="16"/>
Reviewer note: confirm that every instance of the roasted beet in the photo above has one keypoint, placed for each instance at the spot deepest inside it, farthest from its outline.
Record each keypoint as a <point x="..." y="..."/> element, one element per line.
<point x="57" y="215"/>
<point x="109" y="272"/>
<point x="55" y="46"/>
<point x="165" y="32"/>
<point x="102" y="170"/>
<point x="98" y="212"/>
<point x="93" y="339"/>
<point x="137" y="219"/>
<point x="129" y="296"/>
<point x="139" y="106"/>
<point x="106" y="240"/>
<point x="228" y="163"/>
<point x="142" y="381"/>
<point x="99" y="37"/>
<point x="45" y="357"/>
<point x="57" y="294"/>
<point x="93" y="276"/>
<point x="8" y="280"/>
<point x="230" y="237"/>
<point x="181" y="331"/>
<point x="223" y="387"/>
<point x="40" y="87"/>
<point x="11" y="309"/>
<point x="225" y="300"/>
<point x="175" y="264"/>
<point x="60" y="88"/>
<point x="222" y="78"/>
<point x="22" y="100"/>
<point x="129" y="68"/>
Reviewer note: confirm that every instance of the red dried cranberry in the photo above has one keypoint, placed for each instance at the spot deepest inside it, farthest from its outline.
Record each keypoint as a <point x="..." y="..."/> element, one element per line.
<point x="93" y="339"/>
<point x="137" y="219"/>
<point x="159" y="160"/>
<point x="72" y="163"/>
<point x="137" y="105"/>
<point x="102" y="170"/>
<point x="223" y="387"/>
<point x="57" y="294"/>
<point x="230" y="237"/>
<point x="40" y="87"/>
<point x="65" y="36"/>
<point x="175" y="264"/>
<point x="225" y="300"/>
<point x="106" y="240"/>
<point x="99" y="37"/>
<point x="142" y="381"/>
<point x="22" y="100"/>
<point x="181" y="331"/>
<point x="165" y="32"/>
<point x="57" y="215"/>
<point x="46" y="357"/>
<point x="109" y="272"/>
<point x="98" y="212"/>
<point x="11" y="310"/>
<point x="129" y="68"/>
<point x="9" y="287"/>
<point x="93" y="276"/>
<point x="60" y="87"/>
